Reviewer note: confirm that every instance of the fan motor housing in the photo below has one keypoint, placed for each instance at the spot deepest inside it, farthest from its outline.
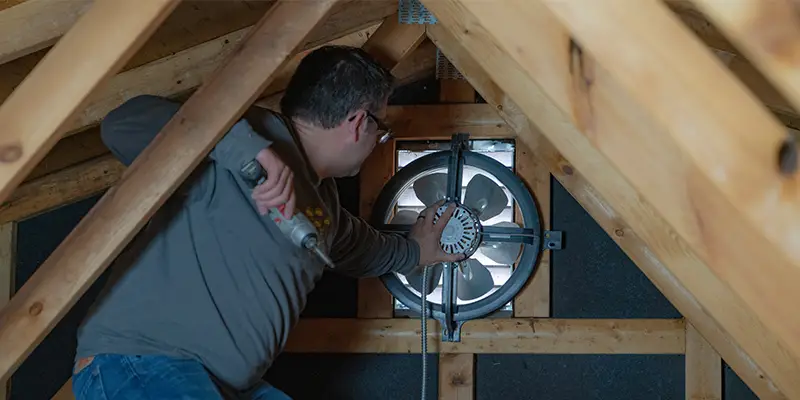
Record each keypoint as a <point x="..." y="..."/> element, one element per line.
<point x="462" y="234"/>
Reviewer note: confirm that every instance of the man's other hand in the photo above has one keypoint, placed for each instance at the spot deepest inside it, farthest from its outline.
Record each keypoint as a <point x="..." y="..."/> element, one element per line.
<point x="278" y="189"/>
<point x="427" y="235"/>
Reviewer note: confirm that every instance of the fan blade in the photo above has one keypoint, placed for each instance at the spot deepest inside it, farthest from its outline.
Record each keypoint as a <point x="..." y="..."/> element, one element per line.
<point x="485" y="197"/>
<point x="502" y="252"/>
<point x="431" y="188"/>
<point x="434" y="275"/>
<point x="405" y="217"/>
<point x="474" y="280"/>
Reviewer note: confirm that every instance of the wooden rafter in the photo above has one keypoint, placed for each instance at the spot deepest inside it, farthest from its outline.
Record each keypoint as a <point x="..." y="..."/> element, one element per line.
<point x="96" y="170"/>
<point x="715" y="140"/>
<point x="186" y="70"/>
<point x="703" y="367"/>
<point x="153" y="177"/>
<point x="768" y="33"/>
<point x="34" y="116"/>
<point x="724" y="319"/>
<point x="66" y="186"/>
<point x="36" y="24"/>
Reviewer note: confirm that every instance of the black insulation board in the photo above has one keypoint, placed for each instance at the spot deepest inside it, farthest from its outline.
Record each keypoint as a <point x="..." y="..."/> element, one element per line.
<point x="733" y="387"/>
<point x="591" y="277"/>
<point x="353" y="376"/>
<point x="585" y="377"/>
<point x="50" y="364"/>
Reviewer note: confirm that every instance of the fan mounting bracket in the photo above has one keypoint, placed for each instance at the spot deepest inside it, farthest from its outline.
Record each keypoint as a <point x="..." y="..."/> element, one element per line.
<point x="553" y="240"/>
<point x="453" y="334"/>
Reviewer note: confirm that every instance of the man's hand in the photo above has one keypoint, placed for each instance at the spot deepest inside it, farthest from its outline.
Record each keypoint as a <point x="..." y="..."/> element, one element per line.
<point x="278" y="188"/>
<point x="427" y="235"/>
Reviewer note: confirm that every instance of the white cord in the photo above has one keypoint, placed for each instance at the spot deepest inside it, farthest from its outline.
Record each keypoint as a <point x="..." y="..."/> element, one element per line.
<point x="424" y="332"/>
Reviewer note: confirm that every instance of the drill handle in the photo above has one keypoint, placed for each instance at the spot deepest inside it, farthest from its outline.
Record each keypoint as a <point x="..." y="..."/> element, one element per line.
<point x="253" y="173"/>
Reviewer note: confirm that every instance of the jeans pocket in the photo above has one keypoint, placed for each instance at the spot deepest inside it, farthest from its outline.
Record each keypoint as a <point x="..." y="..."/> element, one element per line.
<point x="87" y="384"/>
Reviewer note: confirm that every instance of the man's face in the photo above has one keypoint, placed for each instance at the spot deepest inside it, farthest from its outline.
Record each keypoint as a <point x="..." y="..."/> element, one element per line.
<point x="367" y="132"/>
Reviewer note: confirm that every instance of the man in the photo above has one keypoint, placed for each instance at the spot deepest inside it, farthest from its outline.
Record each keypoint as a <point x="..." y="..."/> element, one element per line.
<point x="202" y="301"/>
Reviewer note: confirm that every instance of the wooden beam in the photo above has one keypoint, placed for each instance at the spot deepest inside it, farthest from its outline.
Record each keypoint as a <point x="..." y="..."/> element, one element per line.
<point x="152" y="178"/>
<point x="534" y="298"/>
<point x="456" y="376"/>
<point x="34" y="116"/>
<point x="730" y="56"/>
<point x="63" y="187"/>
<point x="767" y="33"/>
<point x="186" y="70"/>
<point x="374" y="300"/>
<point x="99" y="170"/>
<point x="703" y="368"/>
<point x="455" y="91"/>
<point x="492" y="336"/>
<point x="8" y="266"/>
<point x="438" y="122"/>
<point x="724" y="319"/>
<point x="191" y="23"/>
<point x="650" y="241"/>
<point x="735" y="207"/>
<point x="179" y="74"/>
<point x="36" y="24"/>
<point x="394" y="41"/>
<point x="421" y="63"/>
<point x="482" y="336"/>
<point x="417" y="65"/>
<point x="68" y="152"/>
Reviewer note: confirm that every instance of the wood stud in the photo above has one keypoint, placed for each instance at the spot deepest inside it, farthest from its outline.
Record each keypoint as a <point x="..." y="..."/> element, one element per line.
<point x="703" y="368"/>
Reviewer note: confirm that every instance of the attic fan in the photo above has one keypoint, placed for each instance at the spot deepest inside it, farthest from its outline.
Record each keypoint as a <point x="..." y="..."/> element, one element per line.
<point x="468" y="290"/>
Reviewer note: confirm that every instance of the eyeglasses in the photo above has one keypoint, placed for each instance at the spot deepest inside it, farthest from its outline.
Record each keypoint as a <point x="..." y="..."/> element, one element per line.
<point x="383" y="131"/>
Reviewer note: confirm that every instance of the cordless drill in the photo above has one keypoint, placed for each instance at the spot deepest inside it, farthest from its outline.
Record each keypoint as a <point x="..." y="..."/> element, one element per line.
<point x="298" y="228"/>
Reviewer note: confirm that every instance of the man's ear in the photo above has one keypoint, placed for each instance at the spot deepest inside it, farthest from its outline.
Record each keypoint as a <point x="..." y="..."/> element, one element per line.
<point x="357" y="125"/>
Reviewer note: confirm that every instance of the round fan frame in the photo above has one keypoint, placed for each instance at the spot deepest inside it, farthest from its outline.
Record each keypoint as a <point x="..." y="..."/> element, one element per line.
<point x="449" y="313"/>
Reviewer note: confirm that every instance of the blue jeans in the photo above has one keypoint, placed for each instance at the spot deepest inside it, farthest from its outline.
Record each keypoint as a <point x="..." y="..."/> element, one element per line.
<point x="113" y="376"/>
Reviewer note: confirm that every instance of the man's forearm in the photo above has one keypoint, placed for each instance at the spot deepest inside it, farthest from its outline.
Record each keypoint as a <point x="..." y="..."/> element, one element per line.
<point x="363" y="251"/>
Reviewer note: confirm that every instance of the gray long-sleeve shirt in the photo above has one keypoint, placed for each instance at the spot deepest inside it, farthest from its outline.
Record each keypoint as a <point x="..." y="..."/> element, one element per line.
<point x="208" y="277"/>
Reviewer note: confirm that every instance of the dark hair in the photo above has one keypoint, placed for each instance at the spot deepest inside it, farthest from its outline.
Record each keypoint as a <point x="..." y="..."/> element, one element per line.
<point x="332" y="82"/>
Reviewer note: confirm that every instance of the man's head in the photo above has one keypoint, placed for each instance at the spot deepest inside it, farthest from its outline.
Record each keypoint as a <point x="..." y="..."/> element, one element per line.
<point x="341" y="93"/>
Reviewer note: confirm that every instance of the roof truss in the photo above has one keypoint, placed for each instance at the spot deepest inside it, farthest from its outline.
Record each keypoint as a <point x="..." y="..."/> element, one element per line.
<point x="579" y="103"/>
<point x="631" y="159"/>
